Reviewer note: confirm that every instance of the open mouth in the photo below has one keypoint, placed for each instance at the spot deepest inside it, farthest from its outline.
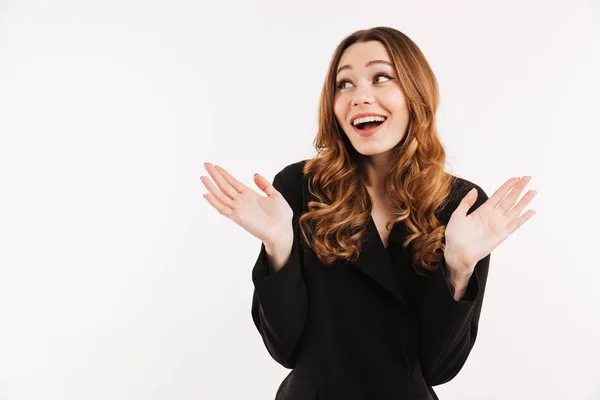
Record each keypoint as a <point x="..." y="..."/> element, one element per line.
<point x="368" y="128"/>
<point x="365" y="126"/>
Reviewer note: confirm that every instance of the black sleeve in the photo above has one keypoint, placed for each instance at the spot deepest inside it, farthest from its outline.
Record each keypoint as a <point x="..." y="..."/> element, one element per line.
<point x="279" y="301"/>
<point x="449" y="327"/>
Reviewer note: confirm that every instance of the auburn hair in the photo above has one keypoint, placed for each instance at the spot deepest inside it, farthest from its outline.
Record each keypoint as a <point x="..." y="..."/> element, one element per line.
<point x="416" y="184"/>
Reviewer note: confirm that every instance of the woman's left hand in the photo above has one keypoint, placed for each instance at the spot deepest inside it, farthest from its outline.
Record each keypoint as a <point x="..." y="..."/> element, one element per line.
<point x="471" y="238"/>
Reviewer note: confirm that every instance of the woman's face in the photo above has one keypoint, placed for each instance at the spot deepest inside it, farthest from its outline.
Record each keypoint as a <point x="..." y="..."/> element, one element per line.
<point x="370" y="89"/>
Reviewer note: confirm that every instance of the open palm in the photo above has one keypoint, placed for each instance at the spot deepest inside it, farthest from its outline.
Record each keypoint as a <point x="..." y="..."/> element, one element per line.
<point x="471" y="238"/>
<point x="264" y="217"/>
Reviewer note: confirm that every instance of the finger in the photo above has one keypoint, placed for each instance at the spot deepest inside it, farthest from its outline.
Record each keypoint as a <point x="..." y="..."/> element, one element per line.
<point x="237" y="185"/>
<point x="264" y="185"/>
<point x="225" y="187"/>
<point x="518" y="209"/>
<point x="514" y="194"/>
<point x="516" y="224"/>
<point x="226" y="201"/>
<point x="502" y="191"/>
<point x="467" y="202"/>
<point x="218" y="206"/>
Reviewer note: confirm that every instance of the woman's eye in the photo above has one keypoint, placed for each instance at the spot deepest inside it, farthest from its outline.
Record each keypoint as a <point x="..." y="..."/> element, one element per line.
<point x="385" y="76"/>
<point x="341" y="84"/>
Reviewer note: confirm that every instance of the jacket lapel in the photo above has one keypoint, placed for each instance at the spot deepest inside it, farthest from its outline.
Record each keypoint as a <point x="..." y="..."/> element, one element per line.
<point x="374" y="260"/>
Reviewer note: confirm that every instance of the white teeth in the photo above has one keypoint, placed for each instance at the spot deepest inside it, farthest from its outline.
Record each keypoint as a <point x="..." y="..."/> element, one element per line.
<point x="367" y="119"/>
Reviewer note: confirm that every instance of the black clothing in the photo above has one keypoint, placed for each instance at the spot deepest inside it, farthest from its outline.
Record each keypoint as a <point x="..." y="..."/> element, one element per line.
<point x="369" y="330"/>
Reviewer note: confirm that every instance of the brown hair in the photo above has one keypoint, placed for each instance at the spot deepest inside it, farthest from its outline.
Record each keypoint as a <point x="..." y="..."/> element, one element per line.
<point x="417" y="184"/>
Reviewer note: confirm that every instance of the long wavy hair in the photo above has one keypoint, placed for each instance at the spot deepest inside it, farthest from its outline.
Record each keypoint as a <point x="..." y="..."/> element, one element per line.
<point x="416" y="183"/>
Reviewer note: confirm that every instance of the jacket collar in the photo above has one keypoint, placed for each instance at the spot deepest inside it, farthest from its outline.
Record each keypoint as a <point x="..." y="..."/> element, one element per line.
<point x="374" y="260"/>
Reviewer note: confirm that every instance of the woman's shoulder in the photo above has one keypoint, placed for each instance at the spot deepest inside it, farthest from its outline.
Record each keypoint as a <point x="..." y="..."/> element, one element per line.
<point x="462" y="186"/>
<point x="459" y="189"/>
<point x="289" y="181"/>
<point x="293" y="172"/>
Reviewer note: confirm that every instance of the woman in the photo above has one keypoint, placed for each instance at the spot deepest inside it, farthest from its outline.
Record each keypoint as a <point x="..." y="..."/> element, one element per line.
<point x="372" y="270"/>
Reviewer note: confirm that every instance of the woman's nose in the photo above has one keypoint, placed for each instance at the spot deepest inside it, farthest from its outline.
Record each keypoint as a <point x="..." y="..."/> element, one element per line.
<point x="363" y="94"/>
<point x="363" y="97"/>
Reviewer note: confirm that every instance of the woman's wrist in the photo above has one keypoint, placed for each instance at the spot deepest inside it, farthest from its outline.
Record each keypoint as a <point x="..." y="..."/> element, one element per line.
<point x="279" y="250"/>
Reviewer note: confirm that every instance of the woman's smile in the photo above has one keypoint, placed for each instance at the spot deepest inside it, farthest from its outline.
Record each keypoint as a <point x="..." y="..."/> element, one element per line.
<point x="369" y="129"/>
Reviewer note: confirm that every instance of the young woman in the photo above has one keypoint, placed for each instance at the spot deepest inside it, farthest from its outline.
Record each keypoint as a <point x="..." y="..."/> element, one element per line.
<point x="373" y="264"/>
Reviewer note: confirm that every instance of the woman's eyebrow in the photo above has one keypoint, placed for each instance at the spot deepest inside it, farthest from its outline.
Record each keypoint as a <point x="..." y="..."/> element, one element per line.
<point x="343" y="67"/>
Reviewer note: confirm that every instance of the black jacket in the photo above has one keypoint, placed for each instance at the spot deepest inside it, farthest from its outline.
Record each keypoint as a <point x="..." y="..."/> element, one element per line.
<point x="369" y="330"/>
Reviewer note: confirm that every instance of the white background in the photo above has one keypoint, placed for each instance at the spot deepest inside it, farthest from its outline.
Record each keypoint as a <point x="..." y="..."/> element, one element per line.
<point x="119" y="281"/>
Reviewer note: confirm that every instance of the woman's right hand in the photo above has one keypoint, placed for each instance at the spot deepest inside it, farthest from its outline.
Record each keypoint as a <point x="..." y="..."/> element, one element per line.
<point x="267" y="218"/>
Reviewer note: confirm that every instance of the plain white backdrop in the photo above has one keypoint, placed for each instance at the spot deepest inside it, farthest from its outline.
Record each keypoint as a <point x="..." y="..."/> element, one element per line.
<point x="119" y="281"/>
